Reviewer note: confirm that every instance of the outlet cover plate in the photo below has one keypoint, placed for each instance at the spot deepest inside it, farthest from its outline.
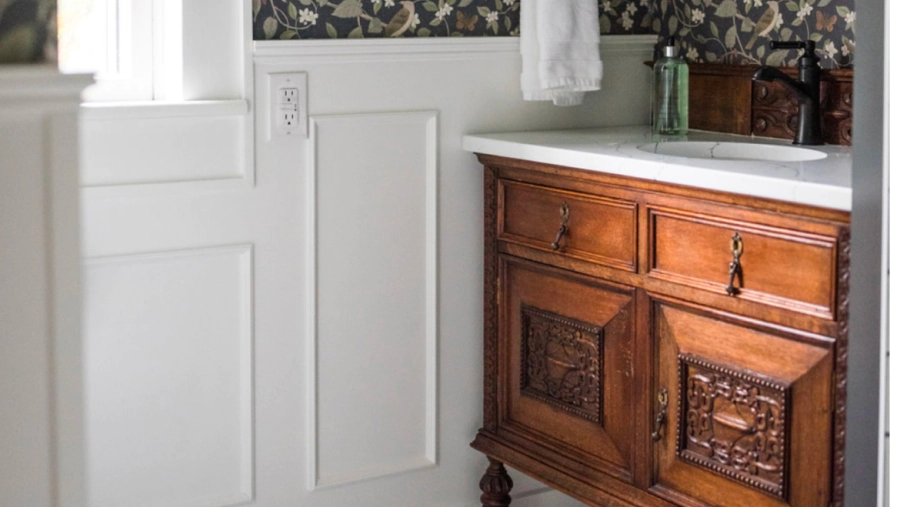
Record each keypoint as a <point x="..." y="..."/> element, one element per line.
<point x="279" y="81"/>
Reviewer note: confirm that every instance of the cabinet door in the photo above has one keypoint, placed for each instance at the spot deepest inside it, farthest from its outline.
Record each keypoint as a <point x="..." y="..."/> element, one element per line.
<point x="566" y="368"/>
<point x="748" y="417"/>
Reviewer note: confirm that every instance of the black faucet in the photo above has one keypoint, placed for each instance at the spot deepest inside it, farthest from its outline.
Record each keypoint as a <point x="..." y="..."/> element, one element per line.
<point x="806" y="89"/>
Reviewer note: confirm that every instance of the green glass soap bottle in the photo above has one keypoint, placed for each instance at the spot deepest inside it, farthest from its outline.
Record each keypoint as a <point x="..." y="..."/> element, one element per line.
<point x="670" y="93"/>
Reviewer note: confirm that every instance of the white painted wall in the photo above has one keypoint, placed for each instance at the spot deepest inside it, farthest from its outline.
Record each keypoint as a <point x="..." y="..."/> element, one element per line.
<point x="298" y="321"/>
<point x="174" y="226"/>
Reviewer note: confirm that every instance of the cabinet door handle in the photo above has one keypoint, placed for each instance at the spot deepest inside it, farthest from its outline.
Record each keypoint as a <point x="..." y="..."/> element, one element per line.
<point x="563" y="226"/>
<point x="663" y="399"/>
<point x="734" y="269"/>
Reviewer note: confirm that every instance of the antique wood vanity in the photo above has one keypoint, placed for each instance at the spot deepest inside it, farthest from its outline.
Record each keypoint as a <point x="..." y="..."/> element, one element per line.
<point x="657" y="344"/>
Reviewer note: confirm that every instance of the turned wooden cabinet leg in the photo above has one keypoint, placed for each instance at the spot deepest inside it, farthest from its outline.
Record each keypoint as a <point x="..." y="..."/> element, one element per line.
<point x="496" y="485"/>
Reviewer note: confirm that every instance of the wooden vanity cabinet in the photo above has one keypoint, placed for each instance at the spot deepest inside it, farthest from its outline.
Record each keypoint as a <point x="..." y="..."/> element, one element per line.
<point x="657" y="345"/>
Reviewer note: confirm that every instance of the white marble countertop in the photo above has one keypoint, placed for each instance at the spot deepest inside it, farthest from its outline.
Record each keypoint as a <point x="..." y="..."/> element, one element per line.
<point x="614" y="150"/>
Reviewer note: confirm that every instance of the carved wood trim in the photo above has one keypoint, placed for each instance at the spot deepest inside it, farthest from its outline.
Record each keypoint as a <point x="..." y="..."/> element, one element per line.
<point x="775" y="111"/>
<point x="714" y="404"/>
<point x="725" y="99"/>
<point x="840" y="374"/>
<point x="495" y="485"/>
<point x="569" y="377"/>
<point x="491" y="303"/>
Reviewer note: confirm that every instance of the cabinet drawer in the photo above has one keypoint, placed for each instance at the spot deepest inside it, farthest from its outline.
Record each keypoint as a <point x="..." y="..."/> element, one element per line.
<point x="781" y="267"/>
<point x="582" y="226"/>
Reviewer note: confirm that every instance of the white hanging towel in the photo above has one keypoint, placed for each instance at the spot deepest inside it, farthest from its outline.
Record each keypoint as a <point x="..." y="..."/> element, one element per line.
<point x="560" y="46"/>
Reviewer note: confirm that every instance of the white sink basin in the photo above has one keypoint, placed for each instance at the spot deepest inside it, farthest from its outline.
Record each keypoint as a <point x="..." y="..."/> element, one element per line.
<point x="733" y="151"/>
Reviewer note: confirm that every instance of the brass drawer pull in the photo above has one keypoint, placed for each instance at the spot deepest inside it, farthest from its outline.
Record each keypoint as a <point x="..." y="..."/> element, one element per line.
<point x="734" y="269"/>
<point x="563" y="226"/>
<point x="663" y="399"/>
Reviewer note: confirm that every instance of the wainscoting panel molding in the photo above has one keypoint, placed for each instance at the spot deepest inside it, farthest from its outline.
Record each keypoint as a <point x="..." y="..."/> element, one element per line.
<point x="134" y="149"/>
<point x="366" y="249"/>
<point x="372" y="356"/>
<point x="368" y="387"/>
<point x="169" y="382"/>
<point x="427" y="49"/>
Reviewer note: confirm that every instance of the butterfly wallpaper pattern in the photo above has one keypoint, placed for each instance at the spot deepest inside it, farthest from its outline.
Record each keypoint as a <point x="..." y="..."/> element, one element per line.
<point x="715" y="31"/>
<point x="357" y="19"/>
<point x="342" y="19"/>
<point x="739" y="31"/>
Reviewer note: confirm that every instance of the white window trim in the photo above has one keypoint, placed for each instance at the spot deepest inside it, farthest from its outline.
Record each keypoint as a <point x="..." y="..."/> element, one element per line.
<point x="135" y="18"/>
<point x="168" y="78"/>
<point x="168" y="50"/>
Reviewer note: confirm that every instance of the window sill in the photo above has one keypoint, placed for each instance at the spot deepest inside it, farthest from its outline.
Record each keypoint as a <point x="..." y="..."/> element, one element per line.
<point x="154" y="109"/>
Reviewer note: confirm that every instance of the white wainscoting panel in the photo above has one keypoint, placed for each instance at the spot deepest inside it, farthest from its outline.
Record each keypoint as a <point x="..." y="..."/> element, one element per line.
<point x="169" y="365"/>
<point x="141" y="147"/>
<point x="374" y="300"/>
<point x="366" y="347"/>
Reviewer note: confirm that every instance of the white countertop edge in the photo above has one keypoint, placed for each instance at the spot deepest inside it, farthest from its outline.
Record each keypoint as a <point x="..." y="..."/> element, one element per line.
<point x="800" y="192"/>
<point x="824" y="196"/>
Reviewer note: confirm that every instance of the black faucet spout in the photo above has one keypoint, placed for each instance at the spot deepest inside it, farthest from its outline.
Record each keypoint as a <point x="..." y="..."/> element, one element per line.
<point x="770" y="74"/>
<point x="805" y="89"/>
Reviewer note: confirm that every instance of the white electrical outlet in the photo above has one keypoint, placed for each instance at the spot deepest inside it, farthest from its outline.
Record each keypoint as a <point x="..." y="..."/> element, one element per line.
<point x="287" y="120"/>
<point x="288" y="95"/>
<point x="288" y="116"/>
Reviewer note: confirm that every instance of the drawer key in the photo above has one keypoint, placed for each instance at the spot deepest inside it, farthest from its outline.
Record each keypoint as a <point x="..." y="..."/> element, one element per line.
<point x="663" y="399"/>
<point x="734" y="269"/>
<point x="563" y="226"/>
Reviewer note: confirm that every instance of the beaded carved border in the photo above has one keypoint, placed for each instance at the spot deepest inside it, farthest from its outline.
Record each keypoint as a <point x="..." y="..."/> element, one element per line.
<point x="562" y="363"/>
<point x="840" y="379"/>
<point x="734" y="423"/>
<point x="491" y="279"/>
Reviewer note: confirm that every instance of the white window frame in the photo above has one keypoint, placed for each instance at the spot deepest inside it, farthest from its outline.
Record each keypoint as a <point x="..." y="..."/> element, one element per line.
<point x="144" y="52"/>
<point x="129" y="37"/>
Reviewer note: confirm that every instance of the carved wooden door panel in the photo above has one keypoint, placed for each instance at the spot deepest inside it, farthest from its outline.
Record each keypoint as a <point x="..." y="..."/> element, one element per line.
<point x="566" y="372"/>
<point x="747" y="412"/>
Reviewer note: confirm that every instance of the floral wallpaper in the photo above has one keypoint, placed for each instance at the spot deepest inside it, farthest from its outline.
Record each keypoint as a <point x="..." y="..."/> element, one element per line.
<point x="624" y="17"/>
<point x="27" y="31"/>
<point x="739" y="31"/>
<point x="715" y="31"/>
<point x="357" y="19"/>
